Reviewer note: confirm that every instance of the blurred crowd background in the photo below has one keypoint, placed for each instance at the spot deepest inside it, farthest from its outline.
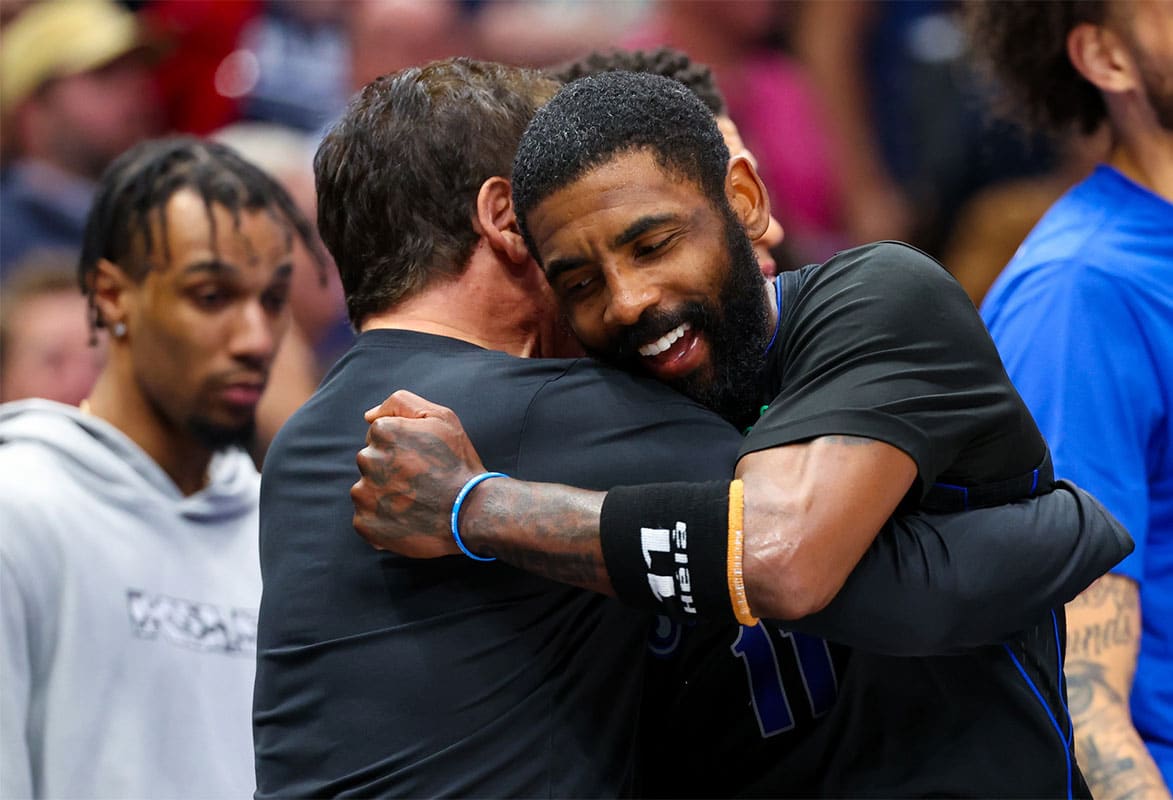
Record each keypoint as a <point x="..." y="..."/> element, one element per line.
<point x="867" y="118"/>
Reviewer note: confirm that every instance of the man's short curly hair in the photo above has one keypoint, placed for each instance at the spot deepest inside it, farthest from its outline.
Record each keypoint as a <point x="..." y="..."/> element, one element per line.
<point x="662" y="61"/>
<point x="596" y="118"/>
<point x="1022" y="46"/>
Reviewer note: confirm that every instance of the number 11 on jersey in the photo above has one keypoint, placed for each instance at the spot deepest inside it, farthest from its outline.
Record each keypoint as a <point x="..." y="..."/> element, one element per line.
<point x="768" y="692"/>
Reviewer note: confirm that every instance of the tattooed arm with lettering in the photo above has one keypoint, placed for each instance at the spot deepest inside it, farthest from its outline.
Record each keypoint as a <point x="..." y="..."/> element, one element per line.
<point x="417" y="459"/>
<point x="1103" y="639"/>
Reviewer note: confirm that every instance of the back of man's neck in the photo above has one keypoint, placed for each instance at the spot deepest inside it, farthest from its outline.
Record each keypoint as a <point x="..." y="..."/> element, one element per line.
<point x="522" y="344"/>
<point x="458" y="311"/>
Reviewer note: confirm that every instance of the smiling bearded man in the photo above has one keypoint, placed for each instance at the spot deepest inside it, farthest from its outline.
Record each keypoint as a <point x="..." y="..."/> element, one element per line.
<point x="887" y="395"/>
<point x="736" y="328"/>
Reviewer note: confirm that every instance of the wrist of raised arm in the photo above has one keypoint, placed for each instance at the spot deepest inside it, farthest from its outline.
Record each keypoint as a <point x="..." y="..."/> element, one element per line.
<point x="485" y="523"/>
<point x="544" y="528"/>
<point x="667" y="548"/>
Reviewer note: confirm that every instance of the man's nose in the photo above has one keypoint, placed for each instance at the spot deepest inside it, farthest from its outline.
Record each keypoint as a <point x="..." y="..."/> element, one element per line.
<point x="630" y="297"/>
<point x="255" y="335"/>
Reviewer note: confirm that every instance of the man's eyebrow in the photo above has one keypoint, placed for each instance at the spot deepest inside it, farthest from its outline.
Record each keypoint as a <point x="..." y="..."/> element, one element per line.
<point x="558" y="266"/>
<point x="640" y="227"/>
<point x="212" y="265"/>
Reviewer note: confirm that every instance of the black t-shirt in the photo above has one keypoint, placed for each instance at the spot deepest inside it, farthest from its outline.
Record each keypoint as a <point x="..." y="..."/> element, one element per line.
<point x="878" y="342"/>
<point x="379" y="675"/>
<point x="882" y="342"/>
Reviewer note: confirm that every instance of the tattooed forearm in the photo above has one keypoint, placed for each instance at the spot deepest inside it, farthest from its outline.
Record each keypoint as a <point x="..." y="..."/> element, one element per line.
<point x="1110" y="753"/>
<point x="1087" y="687"/>
<point x="1114" y="627"/>
<point x="545" y="529"/>
<point x="1103" y="639"/>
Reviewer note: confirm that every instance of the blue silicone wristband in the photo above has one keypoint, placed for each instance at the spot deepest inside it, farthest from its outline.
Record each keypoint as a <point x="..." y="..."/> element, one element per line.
<point x="460" y="498"/>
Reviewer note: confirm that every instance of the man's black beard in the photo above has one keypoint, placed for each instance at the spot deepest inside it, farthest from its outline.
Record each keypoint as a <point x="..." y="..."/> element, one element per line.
<point x="220" y="437"/>
<point x="736" y="327"/>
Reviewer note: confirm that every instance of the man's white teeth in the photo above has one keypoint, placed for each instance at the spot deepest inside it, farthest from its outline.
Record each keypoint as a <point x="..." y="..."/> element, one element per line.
<point x="665" y="341"/>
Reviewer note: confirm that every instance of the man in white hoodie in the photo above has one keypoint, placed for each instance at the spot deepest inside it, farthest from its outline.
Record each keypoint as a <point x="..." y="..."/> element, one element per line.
<point x="129" y="579"/>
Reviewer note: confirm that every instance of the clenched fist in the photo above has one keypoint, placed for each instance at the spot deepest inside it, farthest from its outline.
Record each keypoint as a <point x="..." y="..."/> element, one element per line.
<point x="416" y="460"/>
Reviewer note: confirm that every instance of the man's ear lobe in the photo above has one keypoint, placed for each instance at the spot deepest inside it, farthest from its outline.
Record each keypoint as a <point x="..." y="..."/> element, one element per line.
<point x="1100" y="55"/>
<point x="747" y="196"/>
<point x="496" y="221"/>
<point x="110" y="287"/>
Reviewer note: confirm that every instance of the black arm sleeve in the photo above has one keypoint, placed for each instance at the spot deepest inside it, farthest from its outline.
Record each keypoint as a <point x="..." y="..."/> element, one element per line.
<point x="936" y="583"/>
<point x="930" y="583"/>
<point x="881" y="342"/>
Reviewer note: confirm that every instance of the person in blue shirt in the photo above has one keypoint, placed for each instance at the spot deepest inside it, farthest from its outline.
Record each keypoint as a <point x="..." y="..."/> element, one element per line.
<point x="1083" y="318"/>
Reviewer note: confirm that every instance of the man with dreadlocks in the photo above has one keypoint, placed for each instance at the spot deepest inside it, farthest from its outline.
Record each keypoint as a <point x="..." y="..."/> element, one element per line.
<point x="130" y="578"/>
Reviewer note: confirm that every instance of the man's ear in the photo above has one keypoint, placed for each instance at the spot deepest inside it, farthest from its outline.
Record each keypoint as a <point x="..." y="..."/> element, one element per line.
<point x="111" y="292"/>
<point x="747" y="196"/>
<point x="496" y="221"/>
<point x="1099" y="54"/>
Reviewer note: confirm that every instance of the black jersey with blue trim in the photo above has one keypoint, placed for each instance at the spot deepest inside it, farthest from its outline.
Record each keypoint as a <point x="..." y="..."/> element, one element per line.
<point x="882" y="342"/>
<point x="879" y="342"/>
<point x="382" y="676"/>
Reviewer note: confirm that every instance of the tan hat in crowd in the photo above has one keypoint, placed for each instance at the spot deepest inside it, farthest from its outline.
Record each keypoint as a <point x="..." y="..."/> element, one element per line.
<point x="55" y="38"/>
